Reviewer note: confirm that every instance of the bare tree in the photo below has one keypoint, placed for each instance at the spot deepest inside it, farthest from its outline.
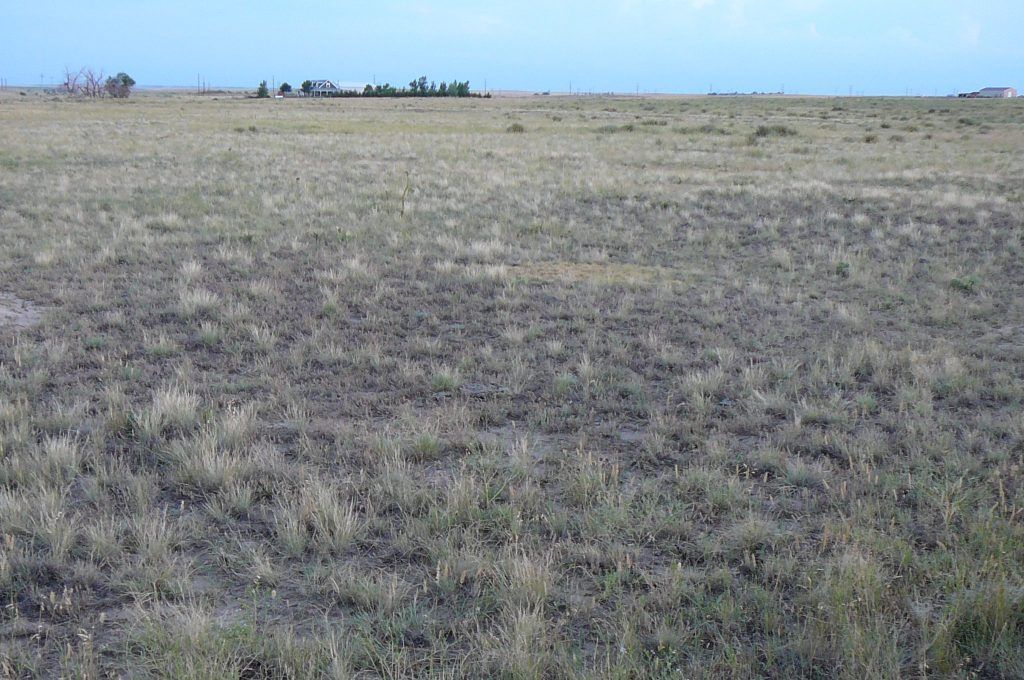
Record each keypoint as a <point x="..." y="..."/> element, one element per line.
<point x="94" y="83"/>
<point x="71" y="78"/>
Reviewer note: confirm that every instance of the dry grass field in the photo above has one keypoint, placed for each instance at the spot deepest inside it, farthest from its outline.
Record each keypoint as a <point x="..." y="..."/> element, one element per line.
<point x="524" y="388"/>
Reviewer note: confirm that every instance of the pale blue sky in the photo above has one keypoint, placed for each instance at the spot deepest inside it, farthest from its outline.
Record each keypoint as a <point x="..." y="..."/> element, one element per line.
<point x="812" y="46"/>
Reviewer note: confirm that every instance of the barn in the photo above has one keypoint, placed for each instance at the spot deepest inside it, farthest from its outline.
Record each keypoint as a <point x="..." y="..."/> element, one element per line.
<point x="997" y="93"/>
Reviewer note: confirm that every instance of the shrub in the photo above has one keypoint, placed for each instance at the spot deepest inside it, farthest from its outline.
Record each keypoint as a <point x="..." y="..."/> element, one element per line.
<point x="516" y="128"/>
<point x="764" y="131"/>
<point x="965" y="284"/>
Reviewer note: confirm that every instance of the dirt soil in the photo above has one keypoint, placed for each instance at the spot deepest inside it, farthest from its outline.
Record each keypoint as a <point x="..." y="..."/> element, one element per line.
<point x="17" y="313"/>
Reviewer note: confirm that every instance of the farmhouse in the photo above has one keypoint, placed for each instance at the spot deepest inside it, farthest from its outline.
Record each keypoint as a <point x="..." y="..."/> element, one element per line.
<point x="324" y="88"/>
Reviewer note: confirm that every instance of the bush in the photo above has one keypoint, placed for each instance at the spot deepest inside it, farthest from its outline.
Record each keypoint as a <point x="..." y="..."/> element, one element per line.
<point x="764" y="131"/>
<point x="516" y="128"/>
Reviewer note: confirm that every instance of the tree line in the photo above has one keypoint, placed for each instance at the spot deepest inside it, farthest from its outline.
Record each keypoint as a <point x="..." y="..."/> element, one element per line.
<point x="85" y="82"/>
<point x="420" y="87"/>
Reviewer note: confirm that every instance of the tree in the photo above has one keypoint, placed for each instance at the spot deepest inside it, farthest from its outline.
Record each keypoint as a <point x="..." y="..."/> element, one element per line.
<point x="93" y="83"/>
<point x="285" y="88"/>
<point x="263" y="91"/>
<point x="70" y="84"/>
<point x="307" y="86"/>
<point x="119" y="86"/>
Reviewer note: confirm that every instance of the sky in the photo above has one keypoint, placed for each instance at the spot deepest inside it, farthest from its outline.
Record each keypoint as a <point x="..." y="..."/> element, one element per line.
<point x="884" y="47"/>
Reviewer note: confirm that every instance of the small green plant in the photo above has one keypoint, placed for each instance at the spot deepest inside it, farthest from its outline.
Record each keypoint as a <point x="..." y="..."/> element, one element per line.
<point x="965" y="284"/>
<point x="515" y="128"/>
<point x="445" y="379"/>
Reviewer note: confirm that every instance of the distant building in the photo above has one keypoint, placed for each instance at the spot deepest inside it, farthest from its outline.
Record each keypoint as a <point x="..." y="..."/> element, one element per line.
<point x="328" y="88"/>
<point x="324" y="88"/>
<point x="997" y="93"/>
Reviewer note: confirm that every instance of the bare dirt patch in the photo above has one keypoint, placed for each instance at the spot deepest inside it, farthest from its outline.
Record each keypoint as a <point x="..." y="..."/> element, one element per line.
<point x="17" y="313"/>
<point x="597" y="272"/>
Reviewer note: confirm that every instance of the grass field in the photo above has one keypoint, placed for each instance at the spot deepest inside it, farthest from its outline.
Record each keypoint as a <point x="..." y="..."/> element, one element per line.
<point x="525" y="388"/>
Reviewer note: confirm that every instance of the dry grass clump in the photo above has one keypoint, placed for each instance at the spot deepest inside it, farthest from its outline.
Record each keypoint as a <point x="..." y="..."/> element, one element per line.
<point x="626" y="396"/>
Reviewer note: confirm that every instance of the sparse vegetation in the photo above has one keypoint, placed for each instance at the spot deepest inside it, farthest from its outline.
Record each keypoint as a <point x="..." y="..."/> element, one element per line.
<point x="776" y="130"/>
<point x="382" y="390"/>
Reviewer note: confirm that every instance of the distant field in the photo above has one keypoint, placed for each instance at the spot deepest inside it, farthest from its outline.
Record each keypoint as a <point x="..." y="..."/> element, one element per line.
<point x="524" y="388"/>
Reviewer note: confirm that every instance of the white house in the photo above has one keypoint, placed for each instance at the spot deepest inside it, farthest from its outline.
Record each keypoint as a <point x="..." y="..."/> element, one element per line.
<point x="324" y="88"/>
<point x="329" y="88"/>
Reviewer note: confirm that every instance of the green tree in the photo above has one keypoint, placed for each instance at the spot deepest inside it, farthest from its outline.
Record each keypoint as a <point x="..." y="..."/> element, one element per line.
<point x="263" y="91"/>
<point x="307" y="86"/>
<point x="119" y="86"/>
<point x="285" y="88"/>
